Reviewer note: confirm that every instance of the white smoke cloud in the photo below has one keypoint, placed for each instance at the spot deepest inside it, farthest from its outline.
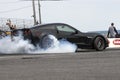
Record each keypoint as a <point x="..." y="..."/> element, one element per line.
<point x="19" y="45"/>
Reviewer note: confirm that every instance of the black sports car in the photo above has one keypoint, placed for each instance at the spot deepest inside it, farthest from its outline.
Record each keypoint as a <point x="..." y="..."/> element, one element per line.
<point x="40" y="34"/>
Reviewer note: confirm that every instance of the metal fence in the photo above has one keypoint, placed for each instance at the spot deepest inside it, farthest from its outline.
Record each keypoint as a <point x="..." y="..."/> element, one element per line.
<point x="20" y="23"/>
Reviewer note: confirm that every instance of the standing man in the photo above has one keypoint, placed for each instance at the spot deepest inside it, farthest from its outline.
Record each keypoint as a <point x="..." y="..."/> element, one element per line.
<point x="12" y="27"/>
<point x="112" y="32"/>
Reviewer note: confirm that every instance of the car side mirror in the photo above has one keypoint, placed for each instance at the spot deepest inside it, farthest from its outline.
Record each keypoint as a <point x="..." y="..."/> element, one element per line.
<point x="76" y="32"/>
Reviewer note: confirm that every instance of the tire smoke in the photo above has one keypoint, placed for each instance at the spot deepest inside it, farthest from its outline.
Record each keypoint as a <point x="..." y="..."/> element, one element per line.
<point x="21" y="46"/>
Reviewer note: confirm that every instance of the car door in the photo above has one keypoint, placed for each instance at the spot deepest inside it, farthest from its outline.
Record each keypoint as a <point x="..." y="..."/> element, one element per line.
<point x="69" y="33"/>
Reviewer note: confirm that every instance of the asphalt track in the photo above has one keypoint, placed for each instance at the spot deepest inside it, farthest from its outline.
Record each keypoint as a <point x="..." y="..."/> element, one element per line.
<point x="83" y="65"/>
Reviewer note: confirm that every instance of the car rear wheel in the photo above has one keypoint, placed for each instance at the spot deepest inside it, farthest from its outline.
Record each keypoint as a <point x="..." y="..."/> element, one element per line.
<point x="99" y="44"/>
<point x="48" y="41"/>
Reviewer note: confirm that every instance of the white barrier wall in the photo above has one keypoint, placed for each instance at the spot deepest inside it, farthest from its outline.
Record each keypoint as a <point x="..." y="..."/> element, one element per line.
<point x="114" y="42"/>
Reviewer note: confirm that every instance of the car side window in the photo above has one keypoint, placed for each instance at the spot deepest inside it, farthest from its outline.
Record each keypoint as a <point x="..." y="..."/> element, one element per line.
<point x="65" y="28"/>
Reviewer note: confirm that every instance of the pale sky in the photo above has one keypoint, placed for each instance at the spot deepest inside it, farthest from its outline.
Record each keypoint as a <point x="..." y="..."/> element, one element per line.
<point x="85" y="15"/>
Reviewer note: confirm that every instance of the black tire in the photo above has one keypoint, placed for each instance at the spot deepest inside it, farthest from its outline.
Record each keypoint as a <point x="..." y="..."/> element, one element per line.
<point x="47" y="42"/>
<point x="99" y="44"/>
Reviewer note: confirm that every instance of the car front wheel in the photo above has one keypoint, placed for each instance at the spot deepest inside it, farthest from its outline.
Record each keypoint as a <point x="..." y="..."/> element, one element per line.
<point x="99" y="44"/>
